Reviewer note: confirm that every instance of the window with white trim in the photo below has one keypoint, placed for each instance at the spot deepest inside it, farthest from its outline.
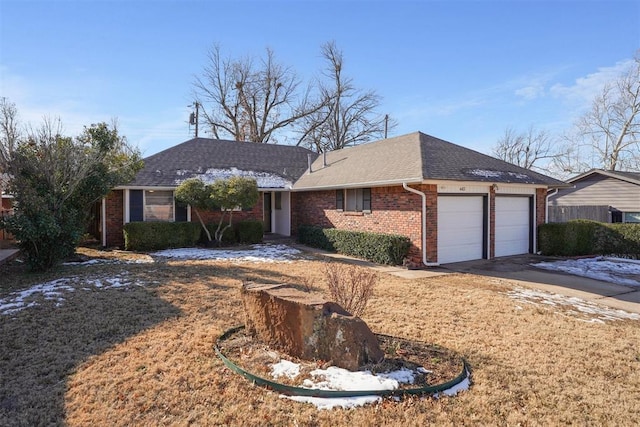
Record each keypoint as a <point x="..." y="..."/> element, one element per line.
<point x="354" y="200"/>
<point x="158" y="205"/>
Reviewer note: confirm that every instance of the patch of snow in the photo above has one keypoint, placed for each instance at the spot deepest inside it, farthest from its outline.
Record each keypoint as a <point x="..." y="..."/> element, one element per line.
<point x="54" y="290"/>
<point x="264" y="179"/>
<point x="257" y="253"/>
<point x="143" y="260"/>
<point x="336" y="402"/>
<point x="486" y="173"/>
<point x="461" y="386"/>
<point x="613" y="270"/>
<point x="576" y="306"/>
<point x="334" y="378"/>
<point x="285" y="368"/>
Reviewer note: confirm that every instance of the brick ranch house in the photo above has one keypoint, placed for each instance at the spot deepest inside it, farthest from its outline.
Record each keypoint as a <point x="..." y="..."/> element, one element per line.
<point x="453" y="203"/>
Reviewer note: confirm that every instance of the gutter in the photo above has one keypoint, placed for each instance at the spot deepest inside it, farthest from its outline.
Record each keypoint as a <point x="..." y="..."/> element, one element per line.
<point x="424" y="224"/>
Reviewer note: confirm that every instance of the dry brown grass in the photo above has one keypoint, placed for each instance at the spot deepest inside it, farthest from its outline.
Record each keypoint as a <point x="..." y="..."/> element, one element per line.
<point x="143" y="355"/>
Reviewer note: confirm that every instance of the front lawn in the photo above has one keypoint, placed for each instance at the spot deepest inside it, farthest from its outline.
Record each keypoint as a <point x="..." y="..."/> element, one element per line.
<point x="127" y="339"/>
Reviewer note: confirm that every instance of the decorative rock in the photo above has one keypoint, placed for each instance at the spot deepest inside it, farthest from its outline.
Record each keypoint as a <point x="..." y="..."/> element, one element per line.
<point x="308" y="326"/>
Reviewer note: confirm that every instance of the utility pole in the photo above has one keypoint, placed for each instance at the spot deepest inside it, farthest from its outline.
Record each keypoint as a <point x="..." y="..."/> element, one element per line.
<point x="194" y="117"/>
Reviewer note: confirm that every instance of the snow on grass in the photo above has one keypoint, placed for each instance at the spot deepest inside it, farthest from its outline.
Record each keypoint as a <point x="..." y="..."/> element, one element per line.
<point x="55" y="290"/>
<point x="285" y="368"/>
<point x="257" y="253"/>
<point x="572" y="305"/>
<point x="334" y="378"/>
<point x="613" y="270"/>
<point x="100" y="261"/>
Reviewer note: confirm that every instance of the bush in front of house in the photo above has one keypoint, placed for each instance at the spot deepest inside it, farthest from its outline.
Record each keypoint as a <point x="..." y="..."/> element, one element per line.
<point x="586" y="237"/>
<point x="249" y="231"/>
<point x="315" y="237"/>
<point x="228" y="237"/>
<point x="380" y="248"/>
<point x="147" y="236"/>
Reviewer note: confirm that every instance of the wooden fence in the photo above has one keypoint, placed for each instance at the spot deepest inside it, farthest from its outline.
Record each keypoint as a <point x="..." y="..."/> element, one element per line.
<point x="566" y="213"/>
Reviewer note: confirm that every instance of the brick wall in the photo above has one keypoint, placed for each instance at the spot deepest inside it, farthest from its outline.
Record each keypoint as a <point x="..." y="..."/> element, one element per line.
<point x="7" y="204"/>
<point x="115" y="218"/>
<point x="394" y="210"/>
<point x="541" y="207"/>
<point x="213" y="217"/>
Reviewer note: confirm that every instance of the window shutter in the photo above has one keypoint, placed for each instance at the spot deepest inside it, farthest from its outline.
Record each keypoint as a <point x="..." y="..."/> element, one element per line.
<point x="181" y="212"/>
<point x="136" y="207"/>
<point x="340" y="199"/>
<point x="366" y="199"/>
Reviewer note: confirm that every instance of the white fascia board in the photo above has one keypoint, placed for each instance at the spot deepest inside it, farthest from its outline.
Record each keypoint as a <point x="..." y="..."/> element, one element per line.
<point x="145" y="187"/>
<point x="364" y="184"/>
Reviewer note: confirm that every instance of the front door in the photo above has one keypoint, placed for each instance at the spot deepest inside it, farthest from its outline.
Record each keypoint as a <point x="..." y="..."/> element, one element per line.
<point x="267" y="212"/>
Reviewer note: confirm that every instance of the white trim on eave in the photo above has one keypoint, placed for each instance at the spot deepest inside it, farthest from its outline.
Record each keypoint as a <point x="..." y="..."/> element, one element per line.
<point x="365" y="184"/>
<point x="604" y="173"/>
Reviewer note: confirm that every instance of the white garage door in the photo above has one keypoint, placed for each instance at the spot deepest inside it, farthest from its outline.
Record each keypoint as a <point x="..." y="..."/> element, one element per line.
<point x="460" y="228"/>
<point x="513" y="226"/>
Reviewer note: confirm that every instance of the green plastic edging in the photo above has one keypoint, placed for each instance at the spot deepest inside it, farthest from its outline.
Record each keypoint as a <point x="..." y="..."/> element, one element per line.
<point x="309" y="392"/>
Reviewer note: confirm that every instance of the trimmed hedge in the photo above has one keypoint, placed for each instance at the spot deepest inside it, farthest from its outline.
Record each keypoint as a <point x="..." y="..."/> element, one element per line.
<point x="146" y="236"/>
<point x="249" y="231"/>
<point x="585" y="237"/>
<point x="380" y="248"/>
<point x="245" y="232"/>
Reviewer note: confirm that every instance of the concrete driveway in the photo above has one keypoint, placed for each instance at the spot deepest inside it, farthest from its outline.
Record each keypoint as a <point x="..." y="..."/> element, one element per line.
<point x="518" y="269"/>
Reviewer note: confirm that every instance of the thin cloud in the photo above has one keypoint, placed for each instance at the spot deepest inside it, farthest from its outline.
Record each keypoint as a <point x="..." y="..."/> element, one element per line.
<point x="585" y="89"/>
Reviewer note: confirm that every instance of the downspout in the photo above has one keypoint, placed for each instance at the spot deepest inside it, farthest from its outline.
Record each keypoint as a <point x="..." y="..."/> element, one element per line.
<point x="424" y="225"/>
<point x="546" y="205"/>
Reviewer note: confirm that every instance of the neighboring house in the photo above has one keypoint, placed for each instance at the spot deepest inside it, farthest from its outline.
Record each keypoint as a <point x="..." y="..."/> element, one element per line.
<point x="6" y="209"/>
<point x="453" y="203"/>
<point x="605" y="196"/>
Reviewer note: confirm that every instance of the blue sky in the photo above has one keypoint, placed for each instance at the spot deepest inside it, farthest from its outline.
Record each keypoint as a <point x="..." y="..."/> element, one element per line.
<point x="463" y="71"/>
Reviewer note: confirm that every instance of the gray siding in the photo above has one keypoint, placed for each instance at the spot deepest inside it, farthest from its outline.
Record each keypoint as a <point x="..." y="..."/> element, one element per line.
<point x="598" y="190"/>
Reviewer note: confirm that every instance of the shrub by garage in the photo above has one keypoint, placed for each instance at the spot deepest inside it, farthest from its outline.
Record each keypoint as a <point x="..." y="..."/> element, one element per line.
<point x="380" y="248"/>
<point x="585" y="237"/>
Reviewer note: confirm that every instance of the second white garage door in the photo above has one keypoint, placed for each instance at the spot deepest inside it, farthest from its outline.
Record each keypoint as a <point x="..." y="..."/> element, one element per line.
<point x="513" y="225"/>
<point x="460" y="228"/>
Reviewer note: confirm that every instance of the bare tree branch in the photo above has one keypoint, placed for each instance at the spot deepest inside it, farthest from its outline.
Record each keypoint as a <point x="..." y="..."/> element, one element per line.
<point x="249" y="102"/>
<point x="348" y="116"/>
<point x="529" y="149"/>
<point x="612" y="125"/>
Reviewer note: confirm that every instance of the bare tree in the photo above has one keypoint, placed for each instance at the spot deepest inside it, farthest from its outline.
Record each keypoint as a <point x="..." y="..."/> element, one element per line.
<point x="527" y="149"/>
<point x="9" y="132"/>
<point x="348" y="116"/>
<point x="248" y="101"/>
<point x="611" y="127"/>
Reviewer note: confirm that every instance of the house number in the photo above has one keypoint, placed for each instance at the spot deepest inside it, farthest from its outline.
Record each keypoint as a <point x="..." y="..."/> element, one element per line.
<point x="463" y="188"/>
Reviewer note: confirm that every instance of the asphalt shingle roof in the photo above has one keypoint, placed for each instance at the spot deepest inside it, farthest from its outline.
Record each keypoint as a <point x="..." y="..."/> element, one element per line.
<point x="411" y="158"/>
<point x="211" y="158"/>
